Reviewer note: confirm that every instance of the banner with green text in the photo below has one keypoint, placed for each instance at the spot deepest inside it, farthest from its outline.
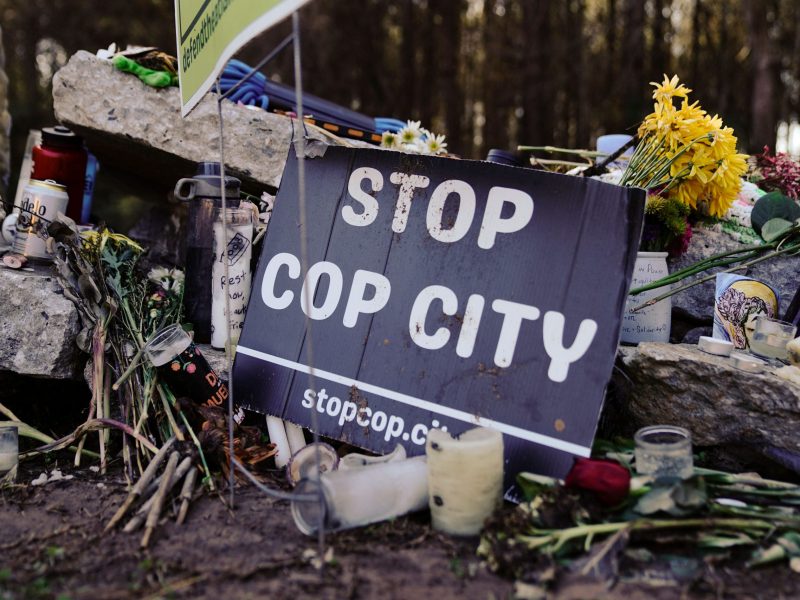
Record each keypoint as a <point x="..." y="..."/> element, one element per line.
<point x="209" y="32"/>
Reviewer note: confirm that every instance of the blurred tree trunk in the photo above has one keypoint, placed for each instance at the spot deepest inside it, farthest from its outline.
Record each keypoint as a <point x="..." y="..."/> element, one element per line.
<point x="579" y="137"/>
<point x="695" y="36"/>
<point x="451" y="105"/>
<point x="633" y="90"/>
<point x="408" y="62"/>
<point x="498" y="75"/>
<point x="763" y="115"/>
<point x="537" y="74"/>
<point x="659" y="49"/>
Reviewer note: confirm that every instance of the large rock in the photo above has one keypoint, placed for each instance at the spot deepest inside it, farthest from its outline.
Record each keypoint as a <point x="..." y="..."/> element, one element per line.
<point x="135" y="128"/>
<point x="678" y="384"/>
<point x="781" y="273"/>
<point x="38" y="326"/>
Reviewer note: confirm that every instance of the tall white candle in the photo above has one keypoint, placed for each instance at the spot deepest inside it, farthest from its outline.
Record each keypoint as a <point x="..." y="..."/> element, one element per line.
<point x="237" y="284"/>
<point x="294" y="434"/>
<point x="277" y="435"/>
<point x="465" y="479"/>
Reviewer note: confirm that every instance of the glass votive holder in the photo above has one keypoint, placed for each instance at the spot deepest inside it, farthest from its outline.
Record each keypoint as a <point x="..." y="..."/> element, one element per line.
<point x="771" y="336"/>
<point x="9" y="452"/>
<point x="360" y="496"/>
<point x="664" y="451"/>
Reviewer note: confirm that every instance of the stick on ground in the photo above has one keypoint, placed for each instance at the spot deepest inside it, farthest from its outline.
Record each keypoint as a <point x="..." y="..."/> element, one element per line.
<point x="158" y="502"/>
<point x="139" y="486"/>
<point x="186" y="495"/>
<point x="144" y="509"/>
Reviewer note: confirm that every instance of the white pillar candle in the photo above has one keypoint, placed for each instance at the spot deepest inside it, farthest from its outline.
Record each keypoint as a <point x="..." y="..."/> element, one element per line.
<point x="237" y="284"/>
<point x="465" y="479"/>
<point x="294" y="434"/>
<point x="277" y="435"/>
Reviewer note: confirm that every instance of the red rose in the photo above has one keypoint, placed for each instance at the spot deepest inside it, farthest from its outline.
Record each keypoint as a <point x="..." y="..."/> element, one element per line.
<point x="608" y="480"/>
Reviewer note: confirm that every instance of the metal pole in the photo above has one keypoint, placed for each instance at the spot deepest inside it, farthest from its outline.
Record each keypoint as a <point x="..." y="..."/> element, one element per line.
<point x="300" y="150"/>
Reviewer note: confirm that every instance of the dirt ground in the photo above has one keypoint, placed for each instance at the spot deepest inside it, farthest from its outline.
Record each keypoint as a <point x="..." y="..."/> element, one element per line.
<point x="52" y="545"/>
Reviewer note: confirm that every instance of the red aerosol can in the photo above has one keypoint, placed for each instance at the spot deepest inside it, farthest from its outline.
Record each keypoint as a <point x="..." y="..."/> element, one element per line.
<point x="62" y="157"/>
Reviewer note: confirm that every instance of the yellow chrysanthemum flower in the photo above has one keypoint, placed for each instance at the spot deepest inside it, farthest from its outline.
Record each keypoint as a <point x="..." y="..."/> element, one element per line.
<point x="668" y="89"/>
<point x="686" y="153"/>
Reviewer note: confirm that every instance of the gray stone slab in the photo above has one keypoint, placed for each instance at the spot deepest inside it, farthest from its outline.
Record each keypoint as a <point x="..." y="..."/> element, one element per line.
<point x="38" y="326"/>
<point x="678" y="384"/>
<point x="135" y="128"/>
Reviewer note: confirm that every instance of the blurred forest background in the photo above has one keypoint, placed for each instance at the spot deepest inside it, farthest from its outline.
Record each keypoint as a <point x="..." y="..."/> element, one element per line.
<point x="487" y="73"/>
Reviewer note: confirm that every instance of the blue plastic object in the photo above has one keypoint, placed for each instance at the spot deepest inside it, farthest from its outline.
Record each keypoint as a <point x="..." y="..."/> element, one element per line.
<point x="265" y="93"/>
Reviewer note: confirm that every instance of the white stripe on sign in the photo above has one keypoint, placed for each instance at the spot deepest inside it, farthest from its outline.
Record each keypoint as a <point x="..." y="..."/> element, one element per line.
<point x="453" y="413"/>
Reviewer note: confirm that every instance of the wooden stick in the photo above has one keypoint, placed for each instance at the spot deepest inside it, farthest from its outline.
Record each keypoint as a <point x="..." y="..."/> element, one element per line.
<point x="139" y="486"/>
<point x="158" y="499"/>
<point x="144" y="509"/>
<point x="186" y="495"/>
<point x="183" y="468"/>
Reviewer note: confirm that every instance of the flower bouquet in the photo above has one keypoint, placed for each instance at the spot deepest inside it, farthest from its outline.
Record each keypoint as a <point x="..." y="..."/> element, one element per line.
<point x="688" y="163"/>
<point x="415" y="139"/>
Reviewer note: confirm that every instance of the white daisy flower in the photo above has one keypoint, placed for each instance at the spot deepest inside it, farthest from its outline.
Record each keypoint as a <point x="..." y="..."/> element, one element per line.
<point x="168" y="279"/>
<point x="408" y="136"/>
<point x="435" y="144"/>
<point x="415" y="126"/>
<point x="158" y="274"/>
<point x="390" y="139"/>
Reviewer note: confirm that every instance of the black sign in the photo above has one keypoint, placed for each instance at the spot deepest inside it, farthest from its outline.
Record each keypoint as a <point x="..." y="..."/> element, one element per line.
<point x="446" y="293"/>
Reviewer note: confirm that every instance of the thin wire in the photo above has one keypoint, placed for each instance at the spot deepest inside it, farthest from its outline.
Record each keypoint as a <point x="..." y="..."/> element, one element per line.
<point x="300" y="150"/>
<point x="286" y="41"/>
<point x="225" y="290"/>
<point x="290" y="496"/>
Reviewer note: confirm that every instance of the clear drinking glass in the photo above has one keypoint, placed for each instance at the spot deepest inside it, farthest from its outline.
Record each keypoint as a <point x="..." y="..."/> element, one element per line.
<point x="9" y="451"/>
<point x="361" y="496"/>
<point x="664" y="451"/>
<point x="771" y="337"/>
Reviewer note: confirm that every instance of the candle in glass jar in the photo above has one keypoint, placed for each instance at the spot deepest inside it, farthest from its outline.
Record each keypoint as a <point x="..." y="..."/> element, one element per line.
<point x="664" y="451"/>
<point x="771" y="337"/>
<point x="9" y="450"/>
<point x="237" y="254"/>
